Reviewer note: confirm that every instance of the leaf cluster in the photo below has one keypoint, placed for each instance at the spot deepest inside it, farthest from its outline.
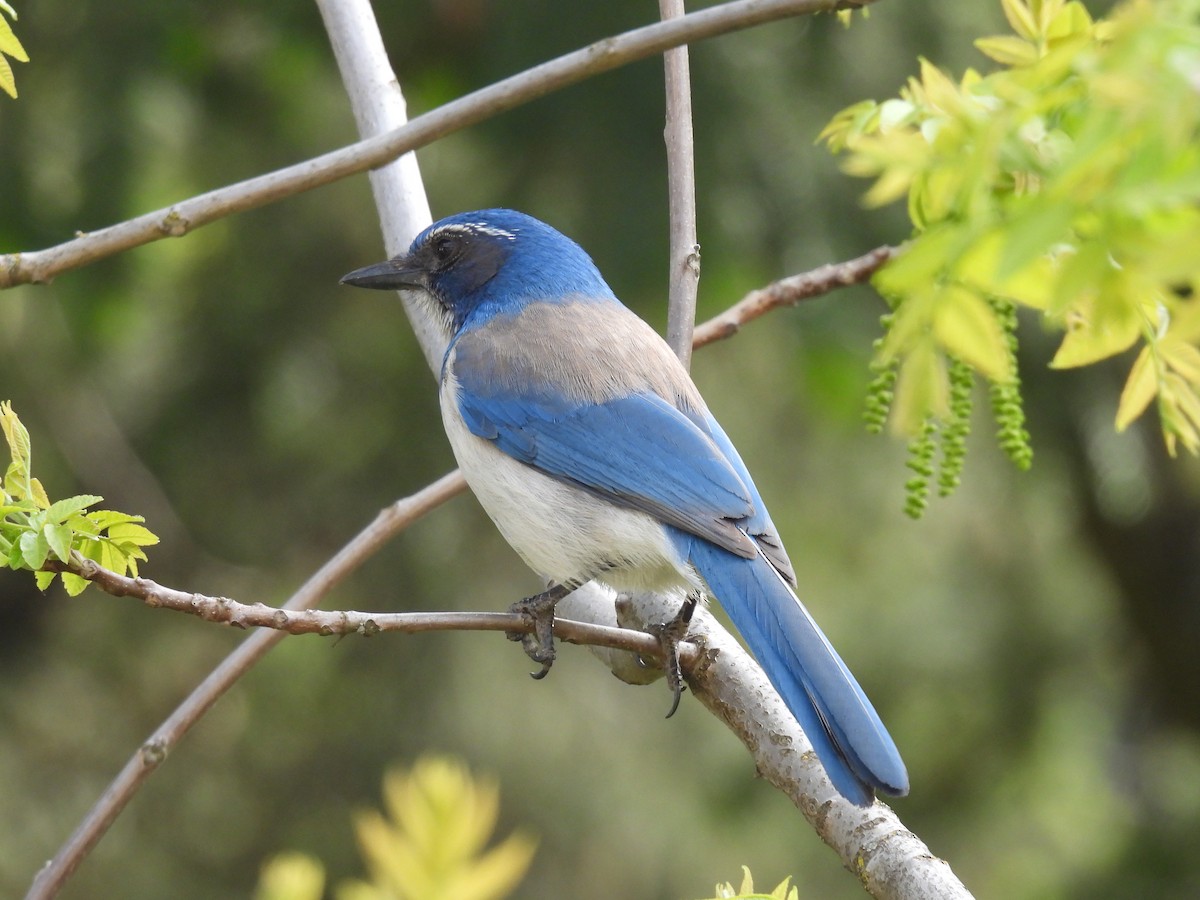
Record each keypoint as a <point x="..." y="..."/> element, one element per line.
<point x="784" y="891"/>
<point x="1066" y="182"/>
<point x="429" y="846"/>
<point x="9" y="46"/>
<point x="34" y="530"/>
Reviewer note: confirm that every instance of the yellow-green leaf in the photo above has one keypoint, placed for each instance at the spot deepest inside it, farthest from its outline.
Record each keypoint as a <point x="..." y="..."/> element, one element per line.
<point x="1008" y="50"/>
<point x="1182" y="357"/>
<point x="1087" y="343"/>
<point x="922" y="389"/>
<point x="15" y="434"/>
<point x="74" y="584"/>
<point x="9" y="43"/>
<point x="8" y="83"/>
<point x="132" y="533"/>
<point x="291" y="876"/>
<point x="967" y="327"/>
<point x="44" y="579"/>
<point x="1020" y="18"/>
<point x="1140" y="388"/>
<point x="37" y="494"/>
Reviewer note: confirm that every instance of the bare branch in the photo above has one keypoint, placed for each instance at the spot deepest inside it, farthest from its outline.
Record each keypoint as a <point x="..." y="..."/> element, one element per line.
<point x="40" y="266"/>
<point x="156" y="747"/>
<point x="890" y="861"/>
<point x="337" y="623"/>
<point x="791" y="291"/>
<point x="684" y="255"/>
<point x="379" y="107"/>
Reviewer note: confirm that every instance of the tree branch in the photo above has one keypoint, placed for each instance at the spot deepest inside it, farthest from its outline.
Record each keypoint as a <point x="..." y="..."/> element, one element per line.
<point x="684" y="254"/>
<point x="339" y="623"/>
<point x="890" y="860"/>
<point x="40" y="266"/>
<point x="790" y="291"/>
<point x="156" y="747"/>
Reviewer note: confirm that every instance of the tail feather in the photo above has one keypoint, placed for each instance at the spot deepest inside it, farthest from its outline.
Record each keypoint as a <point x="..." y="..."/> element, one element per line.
<point x="838" y="719"/>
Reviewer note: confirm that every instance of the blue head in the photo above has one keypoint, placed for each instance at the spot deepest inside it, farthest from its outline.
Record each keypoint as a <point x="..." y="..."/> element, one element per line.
<point x="475" y="265"/>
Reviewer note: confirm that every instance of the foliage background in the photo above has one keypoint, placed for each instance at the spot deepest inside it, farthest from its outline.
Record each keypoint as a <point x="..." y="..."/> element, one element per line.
<point x="1030" y="642"/>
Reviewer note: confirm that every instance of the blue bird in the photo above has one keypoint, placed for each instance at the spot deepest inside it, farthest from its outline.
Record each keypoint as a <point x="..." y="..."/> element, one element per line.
<point x="589" y="446"/>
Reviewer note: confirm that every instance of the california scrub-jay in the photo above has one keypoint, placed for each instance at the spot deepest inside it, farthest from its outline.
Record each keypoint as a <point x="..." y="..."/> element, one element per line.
<point x="591" y="449"/>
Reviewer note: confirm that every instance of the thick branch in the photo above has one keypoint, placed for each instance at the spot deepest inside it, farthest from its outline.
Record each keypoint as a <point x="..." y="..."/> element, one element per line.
<point x="41" y="266"/>
<point x="684" y="255"/>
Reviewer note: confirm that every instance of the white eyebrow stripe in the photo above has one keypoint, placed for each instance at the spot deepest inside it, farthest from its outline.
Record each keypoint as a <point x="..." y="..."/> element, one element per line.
<point x="479" y="228"/>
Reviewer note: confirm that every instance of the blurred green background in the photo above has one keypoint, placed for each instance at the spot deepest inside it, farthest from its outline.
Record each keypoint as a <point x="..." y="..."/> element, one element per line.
<point x="1031" y="643"/>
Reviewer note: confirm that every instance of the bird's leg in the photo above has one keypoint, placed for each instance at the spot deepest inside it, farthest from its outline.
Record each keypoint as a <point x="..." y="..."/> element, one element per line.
<point x="539" y="611"/>
<point x="670" y="635"/>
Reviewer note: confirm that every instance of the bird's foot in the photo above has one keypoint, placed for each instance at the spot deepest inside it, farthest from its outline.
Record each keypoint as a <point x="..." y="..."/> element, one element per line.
<point x="669" y="636"/>
<point x="539" y="611"/>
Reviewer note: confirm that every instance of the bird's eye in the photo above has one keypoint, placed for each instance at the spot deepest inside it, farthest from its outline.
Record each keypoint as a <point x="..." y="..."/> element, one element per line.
<point x="445" y="249"/>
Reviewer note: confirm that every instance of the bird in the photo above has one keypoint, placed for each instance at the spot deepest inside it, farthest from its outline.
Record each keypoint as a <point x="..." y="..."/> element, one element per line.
<point x="589" y="446"/>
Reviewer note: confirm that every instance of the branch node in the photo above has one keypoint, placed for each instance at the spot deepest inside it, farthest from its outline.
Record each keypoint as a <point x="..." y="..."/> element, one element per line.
<point x="153" y="598"/>
<point x="369" y="628"/>
<point x="174" y="223"/>
<point x="154" y="752"/>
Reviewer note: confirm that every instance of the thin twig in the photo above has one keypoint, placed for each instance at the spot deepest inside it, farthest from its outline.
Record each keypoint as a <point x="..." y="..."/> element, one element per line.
<point x="791" y="291"/>
<point x="40" y="266"/>
<point x="337" y="623"/>
<point x="684" y="255"/>
<point x="156" y="747"/>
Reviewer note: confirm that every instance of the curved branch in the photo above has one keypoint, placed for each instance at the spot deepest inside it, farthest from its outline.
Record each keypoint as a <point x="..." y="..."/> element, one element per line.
<point x="40" y="266"/>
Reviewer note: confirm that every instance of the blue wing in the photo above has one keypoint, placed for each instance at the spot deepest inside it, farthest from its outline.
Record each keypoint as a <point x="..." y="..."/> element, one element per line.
<point x="638" y="451"/>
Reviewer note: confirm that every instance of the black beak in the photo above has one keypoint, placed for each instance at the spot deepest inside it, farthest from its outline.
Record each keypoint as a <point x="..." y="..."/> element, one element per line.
<point x="395" y="274"/>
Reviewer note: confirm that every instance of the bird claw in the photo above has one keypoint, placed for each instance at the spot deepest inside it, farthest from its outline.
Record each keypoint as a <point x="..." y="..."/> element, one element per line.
<point x="669" y="636"/>
<point x="538" y="610"/>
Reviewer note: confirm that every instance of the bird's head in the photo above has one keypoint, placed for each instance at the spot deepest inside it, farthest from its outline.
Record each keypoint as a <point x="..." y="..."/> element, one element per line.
<point x="476" y="265"/>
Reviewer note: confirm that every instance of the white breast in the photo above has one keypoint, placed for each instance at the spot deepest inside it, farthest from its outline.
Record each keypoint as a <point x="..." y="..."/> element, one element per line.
<point x="562" y="532"/>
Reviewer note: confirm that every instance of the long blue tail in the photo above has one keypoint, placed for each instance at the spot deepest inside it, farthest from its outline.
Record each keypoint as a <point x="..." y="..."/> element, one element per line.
<point x="856" y="750"/>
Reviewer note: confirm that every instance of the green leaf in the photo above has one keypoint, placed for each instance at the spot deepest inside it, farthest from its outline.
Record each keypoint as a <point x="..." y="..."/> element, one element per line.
<point x="34" y="549"/>
<point x="16" y="559"/>
<point x="132" y="533"/>
<point x="1033" y="234"/>
<point x="61" y="510"/>
<point x="59" y="539"/>
<point x="44" y="579"/>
